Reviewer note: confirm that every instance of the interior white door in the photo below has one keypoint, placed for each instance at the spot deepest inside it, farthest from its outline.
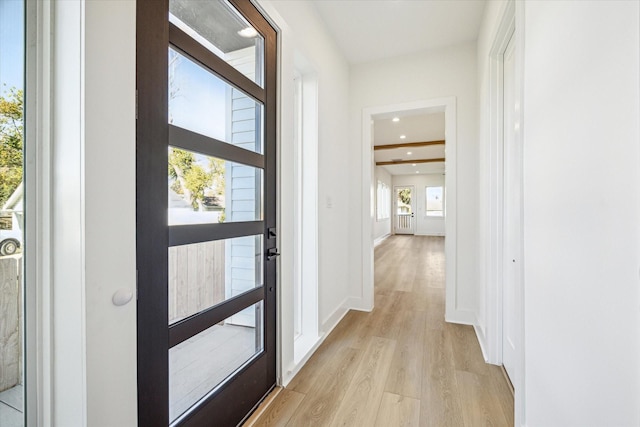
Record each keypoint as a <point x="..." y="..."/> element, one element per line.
<point x="404" y="202"/>
<point x="512" y="216"/>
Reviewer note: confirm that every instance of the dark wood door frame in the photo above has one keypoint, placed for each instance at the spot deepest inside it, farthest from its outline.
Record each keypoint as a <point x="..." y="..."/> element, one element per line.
<point x="154" y="236"/>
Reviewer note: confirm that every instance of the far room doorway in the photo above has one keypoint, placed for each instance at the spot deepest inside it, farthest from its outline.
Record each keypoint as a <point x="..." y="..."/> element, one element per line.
<point x="412" y="152"/>
<point x="404" y="210"/>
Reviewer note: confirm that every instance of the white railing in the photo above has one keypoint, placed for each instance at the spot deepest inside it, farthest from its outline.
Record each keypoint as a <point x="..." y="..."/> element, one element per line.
<point x="404" y="222"/>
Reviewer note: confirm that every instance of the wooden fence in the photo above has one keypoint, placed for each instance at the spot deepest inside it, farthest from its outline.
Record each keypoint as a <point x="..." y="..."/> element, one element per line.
<point x="10" y="321"/>
<point x="196" y="278"/>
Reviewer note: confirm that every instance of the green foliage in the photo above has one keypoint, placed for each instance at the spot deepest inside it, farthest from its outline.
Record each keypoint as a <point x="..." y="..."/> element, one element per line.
<point x="179" y="162"/>
<point x="217" y="173"/>
<point x="193" y="180"/>
<point x="11" y="142"/>
<point x="405" y="196"/>
<point x="196" y="180"/>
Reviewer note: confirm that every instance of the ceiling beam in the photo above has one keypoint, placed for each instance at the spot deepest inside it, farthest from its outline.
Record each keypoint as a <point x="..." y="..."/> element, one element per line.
<point x="404" y="162"/>
<point x="407" y="144"/>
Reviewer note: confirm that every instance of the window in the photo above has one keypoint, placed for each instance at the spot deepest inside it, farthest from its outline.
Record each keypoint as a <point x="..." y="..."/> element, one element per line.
<point x="435" y="201"/>
<point x="305" y="227"/>
<point x="383" y="206"/>
<point x="12" y="248"/>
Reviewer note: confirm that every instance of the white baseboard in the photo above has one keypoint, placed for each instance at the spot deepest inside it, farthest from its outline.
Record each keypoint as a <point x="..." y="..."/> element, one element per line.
<point x="462" y="317"/>
<point x="358" y="304"/>
<point x="482" y="340"/>
<point x="380" y="240"/>
<point x="325" y="329"/>
<point x="334" y="318"/>
<point x="294" y="368"/>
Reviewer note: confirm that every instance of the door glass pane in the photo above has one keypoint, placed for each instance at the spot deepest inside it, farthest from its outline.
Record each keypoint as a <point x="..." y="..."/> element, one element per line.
<point x="202" y="275"/>
<point x="12" y="348"/>
<point x="218" y="27"/>
<point x="403" y="201"/>
<point x="207" y="190"/>
<point x="205" y="360"/>
<point x="203" y="103"/>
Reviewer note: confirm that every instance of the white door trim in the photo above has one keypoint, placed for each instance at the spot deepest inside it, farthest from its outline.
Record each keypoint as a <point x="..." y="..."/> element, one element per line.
<point x="511" y="23"/>
<point x="448" y="106"/>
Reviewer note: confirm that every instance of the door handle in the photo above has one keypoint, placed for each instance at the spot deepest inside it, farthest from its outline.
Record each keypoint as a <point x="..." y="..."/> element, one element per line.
<point x="272" y="253"/>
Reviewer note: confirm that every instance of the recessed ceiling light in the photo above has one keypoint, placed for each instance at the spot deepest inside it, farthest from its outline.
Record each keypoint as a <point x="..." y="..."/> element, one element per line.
<point x="248" y="32"/>
<point x="417" y="171"/>
<point x="403" y="136"/>
<point x="408" y="153"/>
<point x="413" y="164"/>
<point x="396" y="119"/>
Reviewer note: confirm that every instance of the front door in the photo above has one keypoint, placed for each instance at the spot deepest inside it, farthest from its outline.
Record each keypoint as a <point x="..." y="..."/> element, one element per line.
<point x="404" y="210"/>
<point x="206" y="211"/>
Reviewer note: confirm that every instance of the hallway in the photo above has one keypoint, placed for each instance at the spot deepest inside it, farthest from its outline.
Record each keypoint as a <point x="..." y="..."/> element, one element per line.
<point x="401" y="364"/>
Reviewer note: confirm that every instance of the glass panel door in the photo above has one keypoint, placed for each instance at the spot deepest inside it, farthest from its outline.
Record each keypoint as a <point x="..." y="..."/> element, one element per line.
<point x="404" y="212"/>
<point x="206" y="211"/>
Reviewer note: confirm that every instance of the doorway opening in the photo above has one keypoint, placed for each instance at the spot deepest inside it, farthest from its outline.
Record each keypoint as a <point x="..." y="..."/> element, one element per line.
<point x="446" y="160"/>
<point x="404" y="208"/>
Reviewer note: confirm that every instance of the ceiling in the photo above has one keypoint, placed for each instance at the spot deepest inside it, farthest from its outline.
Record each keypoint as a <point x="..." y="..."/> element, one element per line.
<point x="370" y="30"/>
<point x="376" y="29"/>
<point x="416" y="128"/>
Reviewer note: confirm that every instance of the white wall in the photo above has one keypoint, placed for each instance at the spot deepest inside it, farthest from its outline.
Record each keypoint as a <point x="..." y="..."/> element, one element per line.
<point x="581" y="229"/>
<point x="110" y="212"/>
<point x="87" y="373"/>
<point x="382" y="227"/>
<point x="425" y="225"/>
<point x="303" y="35"/>
<point x="435" y="74"/>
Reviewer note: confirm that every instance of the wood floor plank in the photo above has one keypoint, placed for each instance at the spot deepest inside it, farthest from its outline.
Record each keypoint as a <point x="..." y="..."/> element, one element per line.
<point x="401" y="364"/>
<point x="362" y="399"/>
<point x="435" y="309"/>
<point x="467" y="355"/>
<point x="314" y="369"/>
<point x="503" y="393"/>
<point x="405" y="372"/>
<point x="386" y="323"/>
<point x="440" y="402"/>
<point x="398" y="411"/>
<point x="480" y="407"/>
<point x="322" y="401"/>
<point x="281" y="410"/>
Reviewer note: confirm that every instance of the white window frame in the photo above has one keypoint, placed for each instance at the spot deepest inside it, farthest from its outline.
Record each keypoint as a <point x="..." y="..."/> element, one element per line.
<point x="426" y="198"/>
<point x="305" y="286"/>
<point x="383" y="201"/>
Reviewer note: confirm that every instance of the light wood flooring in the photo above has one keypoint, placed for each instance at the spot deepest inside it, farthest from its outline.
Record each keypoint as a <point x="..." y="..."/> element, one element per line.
<point x="401" y="364"/>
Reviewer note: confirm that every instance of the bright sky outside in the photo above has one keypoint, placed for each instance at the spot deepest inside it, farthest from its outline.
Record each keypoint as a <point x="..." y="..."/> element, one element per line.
<point x="199" y="103"/>
<point x="11" y="44"/>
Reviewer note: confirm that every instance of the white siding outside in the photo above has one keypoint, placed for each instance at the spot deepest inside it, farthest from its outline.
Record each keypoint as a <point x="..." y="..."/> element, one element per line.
<point x="243" y="188"/>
